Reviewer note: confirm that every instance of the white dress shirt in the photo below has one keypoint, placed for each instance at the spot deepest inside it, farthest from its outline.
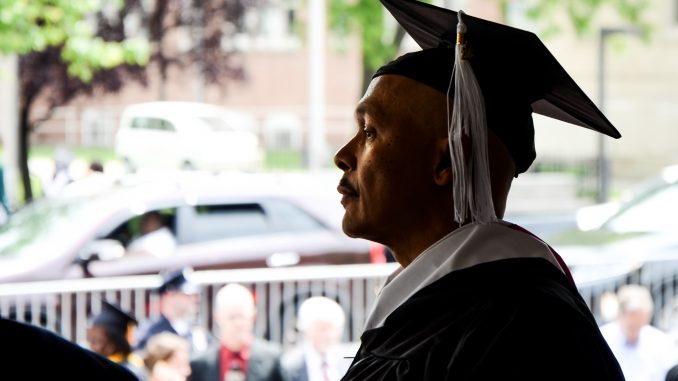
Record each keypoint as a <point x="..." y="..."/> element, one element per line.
<point x="649" y="359"/>
<point x="159" y="242"/>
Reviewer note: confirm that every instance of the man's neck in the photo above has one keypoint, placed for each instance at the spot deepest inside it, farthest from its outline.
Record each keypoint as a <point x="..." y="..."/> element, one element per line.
<point x="406" y="251"/>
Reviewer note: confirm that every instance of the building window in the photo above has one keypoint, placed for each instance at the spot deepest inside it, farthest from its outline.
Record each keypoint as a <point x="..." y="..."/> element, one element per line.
<point x="270" y="27"/>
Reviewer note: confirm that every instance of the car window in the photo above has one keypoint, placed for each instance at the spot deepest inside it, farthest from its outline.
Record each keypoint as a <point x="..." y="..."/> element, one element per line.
<point x="152" y="124"/>
<point x="130" y="229"/>
<point x="219" y="221"/>
<point x="290" y="218"/>
<point x="46" y="224"/>
<point x="166" y="126"/>
<point x="654" y="213"/>
<point x="216" y="124"/>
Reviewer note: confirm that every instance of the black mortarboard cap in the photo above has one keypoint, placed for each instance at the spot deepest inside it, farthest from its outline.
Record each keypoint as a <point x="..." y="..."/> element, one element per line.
<point x="113" y="318"/>
<point x="515" y="71"/>
<point x="177" y="281"/>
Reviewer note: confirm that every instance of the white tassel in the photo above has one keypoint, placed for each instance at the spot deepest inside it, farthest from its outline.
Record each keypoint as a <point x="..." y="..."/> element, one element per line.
<point x="472" y="191"/>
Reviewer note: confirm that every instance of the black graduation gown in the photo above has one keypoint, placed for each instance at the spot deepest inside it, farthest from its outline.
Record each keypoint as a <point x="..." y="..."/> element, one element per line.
<point x="513" y="319"/>
<point x="34" y="354"/>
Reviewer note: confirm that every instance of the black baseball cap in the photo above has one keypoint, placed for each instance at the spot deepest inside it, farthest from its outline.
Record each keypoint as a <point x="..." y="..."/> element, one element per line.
<point x="177" y="281"/>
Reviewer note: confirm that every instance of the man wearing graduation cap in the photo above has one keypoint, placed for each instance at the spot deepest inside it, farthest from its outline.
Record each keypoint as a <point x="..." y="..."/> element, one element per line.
<point x="442" y="132"/>
<point x="110" y="334"/>
<point x="179" y="299"/>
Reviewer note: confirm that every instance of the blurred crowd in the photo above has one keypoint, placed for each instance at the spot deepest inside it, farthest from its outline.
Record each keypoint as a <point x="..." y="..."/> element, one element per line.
<point x="171" y="348"/>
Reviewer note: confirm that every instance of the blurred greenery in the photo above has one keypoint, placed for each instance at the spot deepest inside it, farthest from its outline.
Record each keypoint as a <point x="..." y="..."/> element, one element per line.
<point x="582" y="14"/>
<point x="27" y="26"/>
<point x="274" y="160"/>
<point x="283" y="160"/>
<point x="597" y="237"/>
<point x="381" y="43"/>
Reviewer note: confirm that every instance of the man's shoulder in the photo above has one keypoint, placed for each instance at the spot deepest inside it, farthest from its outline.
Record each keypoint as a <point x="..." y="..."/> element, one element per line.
<point x="156" y="325"/>
<point x="293" y="358"/>
<point x="503" y="281"/>
<point x="153" y="327"/>
<point x="265" y="347"/>
<point x="209" y="355"/>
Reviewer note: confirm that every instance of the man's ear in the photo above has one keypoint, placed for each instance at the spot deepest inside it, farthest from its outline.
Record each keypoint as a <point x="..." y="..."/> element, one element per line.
<point x="443" y="163"/>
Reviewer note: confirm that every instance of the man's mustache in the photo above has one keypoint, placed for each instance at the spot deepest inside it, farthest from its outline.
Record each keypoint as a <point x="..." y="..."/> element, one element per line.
<point x="344" y="183"/>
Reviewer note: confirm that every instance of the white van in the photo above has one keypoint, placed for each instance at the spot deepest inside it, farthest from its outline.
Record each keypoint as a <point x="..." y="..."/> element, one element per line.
<point x="186" y="135"/>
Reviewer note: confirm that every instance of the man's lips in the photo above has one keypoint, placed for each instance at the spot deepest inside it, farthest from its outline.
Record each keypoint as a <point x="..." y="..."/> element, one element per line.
<point x="346" y="188"/>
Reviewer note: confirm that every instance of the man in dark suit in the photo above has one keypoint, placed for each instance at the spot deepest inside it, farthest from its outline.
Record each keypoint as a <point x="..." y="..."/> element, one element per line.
<point x="239" y="356"/>
<point x="178" y="305"/>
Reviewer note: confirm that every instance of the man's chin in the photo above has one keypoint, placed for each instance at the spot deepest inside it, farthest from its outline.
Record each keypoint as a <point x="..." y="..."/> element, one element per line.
<point x="356" y="230"/>
<point x="350" y="228"/>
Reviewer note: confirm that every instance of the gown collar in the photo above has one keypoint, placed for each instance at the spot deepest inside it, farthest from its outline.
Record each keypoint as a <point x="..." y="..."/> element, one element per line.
<point x="467" y="246"/>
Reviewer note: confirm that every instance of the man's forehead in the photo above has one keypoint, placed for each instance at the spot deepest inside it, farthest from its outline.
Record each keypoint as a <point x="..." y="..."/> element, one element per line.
<point x="379" y="96"/>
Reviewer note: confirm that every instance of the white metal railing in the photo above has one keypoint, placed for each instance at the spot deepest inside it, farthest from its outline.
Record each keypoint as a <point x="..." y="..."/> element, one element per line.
<point x="64" y="306"/>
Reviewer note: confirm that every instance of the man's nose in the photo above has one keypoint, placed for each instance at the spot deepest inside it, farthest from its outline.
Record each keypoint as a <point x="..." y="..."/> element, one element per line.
<point x="344" y="159"/>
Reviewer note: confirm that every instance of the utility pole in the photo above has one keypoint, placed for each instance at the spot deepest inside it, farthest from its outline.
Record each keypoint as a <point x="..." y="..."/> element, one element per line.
<point x="317" y="31"/>
<point x="603" y="160"/>
<point x="9" y="126"/>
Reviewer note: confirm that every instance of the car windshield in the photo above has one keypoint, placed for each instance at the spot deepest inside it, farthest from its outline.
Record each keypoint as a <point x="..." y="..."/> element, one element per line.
<point x="654" y="211"/>
<point x="650" y="210"/>
<point x="46" y="223"/>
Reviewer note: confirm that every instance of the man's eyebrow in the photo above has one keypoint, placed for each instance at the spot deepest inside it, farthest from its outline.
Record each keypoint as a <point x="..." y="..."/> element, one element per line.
<point x="361" y="109"/>
<point x="367" y="107"/>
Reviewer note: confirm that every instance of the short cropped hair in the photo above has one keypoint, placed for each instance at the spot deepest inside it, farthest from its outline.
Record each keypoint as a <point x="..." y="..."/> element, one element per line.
<point x="320" y="308"/>
<point x="634" y="297"/>
<point x="234" y="293"/>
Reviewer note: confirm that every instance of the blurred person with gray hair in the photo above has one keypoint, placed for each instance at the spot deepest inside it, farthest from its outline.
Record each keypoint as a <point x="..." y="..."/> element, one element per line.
<point x="239" y="356"/>
<point x="318" y="357"/>
<point x="644" y="352"/>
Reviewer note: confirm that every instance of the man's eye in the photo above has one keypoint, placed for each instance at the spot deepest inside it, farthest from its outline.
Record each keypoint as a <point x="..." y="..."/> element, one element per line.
<point x="369" y="133"/>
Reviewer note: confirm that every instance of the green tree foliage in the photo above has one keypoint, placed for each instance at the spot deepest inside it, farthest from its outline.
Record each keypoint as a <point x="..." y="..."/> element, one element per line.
<point x="581" y="14"/>
<point x="72" y="47"/>
<point x="381" y="40"/>
<point x="34" y="25"/>
<point x="61" y="55"/>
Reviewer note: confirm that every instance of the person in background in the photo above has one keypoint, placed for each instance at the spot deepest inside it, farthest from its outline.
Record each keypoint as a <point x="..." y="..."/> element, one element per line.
<point x="239" y="355"/>
<point x="156" y="238"/>
<point x="167" y="357"/>
<point x="318" y="357"/>
<point x="644" y="352"/>
<point x="178" y="305"/>
<point x="29" y="352"/>
<point x="110" y="334"/>
<point x="94" y="181"/>
<point x="672" y="374"/>
<point x="63" y="157"/>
